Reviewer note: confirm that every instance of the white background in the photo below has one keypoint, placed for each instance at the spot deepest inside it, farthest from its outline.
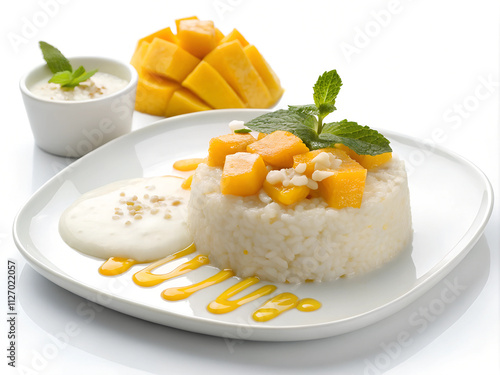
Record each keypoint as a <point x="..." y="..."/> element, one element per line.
<point x="424" y="68"/>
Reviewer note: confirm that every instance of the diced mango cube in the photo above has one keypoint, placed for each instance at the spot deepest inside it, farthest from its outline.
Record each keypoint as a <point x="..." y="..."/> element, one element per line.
<point x="179" y="20"/>
<point x="367" y="161"/>
<point x="265" y="71"/>
<point x="243" y="174"/>
<point x="286" y="195"/>
<point x="165" y="34"/>
<point x="278" y="148"/>
<point x="232" y="63"/>
<point x="209" y="85"/>
<point x="218" y="35"/>
<point x="184" y="101"/>
<point x="234" y="35"/>
<point x="153" y="94"/>
<point x="307" y="159"/>
<point x="220" y="147"/>
<point x="169" y="60"/>
<point x="197" y="37"/>
<point x="138" y="56"/>
<point x="346" y="186"/>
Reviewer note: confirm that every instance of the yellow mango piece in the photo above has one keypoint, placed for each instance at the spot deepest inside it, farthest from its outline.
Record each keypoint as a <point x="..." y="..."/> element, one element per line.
<point x="346" y="186"/>
<point x="169" y="60"/>
<point x="307" y="158"/>
<point x="218" y="35"/>
<point x="220" y="147"/>
<point x="367" y="161"/>
<point x="286" y="195"/>
<point x="243" y="174"/>
<point x="186" y="165"/>
<point x="165" y="34"/>
<point x="153" y="94"/>
<point x="138" y="56"/>
<point x="234" y="35"/>
<point x="265" y="71"/>
<point x="197" y="37"/>
<point x="232" y="63"/>
<point x="278" y="148"/>
<point x="184" y="101"/>
<point x="209" y="85"/>
<point x="186" y="184"/>
<point x="179" y="20"/>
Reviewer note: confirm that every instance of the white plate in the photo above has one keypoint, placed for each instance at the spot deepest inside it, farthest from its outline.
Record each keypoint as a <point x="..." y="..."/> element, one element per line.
<point x="451" y="203"/>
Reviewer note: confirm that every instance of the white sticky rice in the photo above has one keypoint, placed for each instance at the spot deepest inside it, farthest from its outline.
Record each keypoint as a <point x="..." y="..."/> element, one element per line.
<point x="255" y="236"/>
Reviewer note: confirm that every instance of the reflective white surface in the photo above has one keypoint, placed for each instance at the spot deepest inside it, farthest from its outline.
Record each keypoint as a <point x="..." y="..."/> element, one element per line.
<point x="445" y="228"/>
<point x="429" y="70"/>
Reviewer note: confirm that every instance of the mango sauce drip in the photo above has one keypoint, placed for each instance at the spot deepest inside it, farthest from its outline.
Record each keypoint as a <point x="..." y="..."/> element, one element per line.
<point x="222" y="304"/>
<point x="115" y="266"/>
<point x="146" y="278"/>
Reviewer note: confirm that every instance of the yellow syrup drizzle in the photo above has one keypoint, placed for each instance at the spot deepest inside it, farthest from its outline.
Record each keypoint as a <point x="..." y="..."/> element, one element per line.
<point x="115" y="266"/>
<point x="281" y="303"/>
<point x="222" y="304"/>
<point x="176" y="294"/>
<point x="308" y="304"/>
<point x="275" y="306"/>
<point x="145" y="278"/>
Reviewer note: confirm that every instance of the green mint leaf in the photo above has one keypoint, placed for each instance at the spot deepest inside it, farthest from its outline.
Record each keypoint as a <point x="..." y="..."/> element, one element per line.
<point x="54" y="58"/>
<point x="298" y="124"/>
<point x="62" y="78"/>
<point x="78" y="72"/>
<point x="242" y="131"/>
<point x="308" y="109"/>
<point x="80" y="75"/>
<point x="325" y="92"/>
<point x="361" y="139"/>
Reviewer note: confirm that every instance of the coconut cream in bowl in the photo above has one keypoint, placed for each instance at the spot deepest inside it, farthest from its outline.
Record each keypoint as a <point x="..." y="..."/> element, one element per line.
<point x="71" y="122"/>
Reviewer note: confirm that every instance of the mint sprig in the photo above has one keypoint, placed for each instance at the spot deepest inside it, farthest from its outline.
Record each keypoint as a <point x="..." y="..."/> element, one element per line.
<point x="306" y="122"/>
<point x="62" y="69"/>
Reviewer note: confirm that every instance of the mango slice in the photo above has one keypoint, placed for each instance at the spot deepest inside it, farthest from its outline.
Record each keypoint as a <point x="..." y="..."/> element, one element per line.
<point x="232" y="63"/>
<point x="268" y="75"/>
<point x="234" y="35"/>
<point x="179" y="20"/>
<point x="165" y="34"/>
<point x="153" y="94"/>
<point x="307" y="159"/>
<point x="169" y="60"/>
<point x="346" y="186"/>
<point x="216" y="71"/>
<point x="243" y="174"/>
<point x="138" y="56"/>
<point x="286" y="195"/>
<point x="367" y="161"/>
<point x="197" y="37"/>
<point x="209" y="85"/>
<point x="278" y="148"/>
<point x="184" y="101"/>
<point x="220" y="147"/>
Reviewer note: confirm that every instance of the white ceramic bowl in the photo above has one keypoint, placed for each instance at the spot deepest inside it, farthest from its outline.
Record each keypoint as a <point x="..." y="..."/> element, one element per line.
<point x="74" y="128"/>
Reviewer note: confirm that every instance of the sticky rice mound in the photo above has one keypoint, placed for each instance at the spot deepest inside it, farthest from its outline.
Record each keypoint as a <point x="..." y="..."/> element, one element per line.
<point x="307" y="241"/>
